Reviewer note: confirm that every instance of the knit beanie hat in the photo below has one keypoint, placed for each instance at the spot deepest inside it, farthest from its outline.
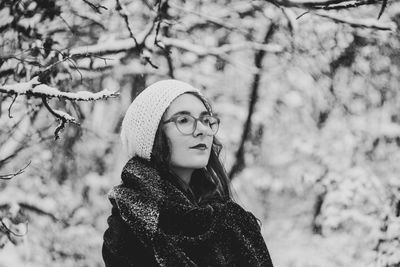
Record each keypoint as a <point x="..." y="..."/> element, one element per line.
<point x="141" y="120"/>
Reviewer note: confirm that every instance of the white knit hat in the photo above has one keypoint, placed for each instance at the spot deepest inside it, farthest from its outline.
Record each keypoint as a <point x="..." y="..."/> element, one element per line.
<point x="141" y="120"/>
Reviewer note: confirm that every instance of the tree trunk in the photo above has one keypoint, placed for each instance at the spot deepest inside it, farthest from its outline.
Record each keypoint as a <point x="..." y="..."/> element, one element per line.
<point x="239" y="164"/>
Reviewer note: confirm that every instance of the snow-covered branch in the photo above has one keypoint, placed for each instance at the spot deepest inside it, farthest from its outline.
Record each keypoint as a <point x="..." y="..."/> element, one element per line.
<point x="103" y="48"/>
<point x="37" y="89"/>
<point x="111" y="46"/>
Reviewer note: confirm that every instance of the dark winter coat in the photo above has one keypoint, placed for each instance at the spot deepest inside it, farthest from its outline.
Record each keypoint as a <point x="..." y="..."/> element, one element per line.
<point x="155" y="223"/>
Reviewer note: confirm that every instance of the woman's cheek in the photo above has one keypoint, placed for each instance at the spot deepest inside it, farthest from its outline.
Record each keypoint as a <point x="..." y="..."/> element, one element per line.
<point x="178" y="154"/>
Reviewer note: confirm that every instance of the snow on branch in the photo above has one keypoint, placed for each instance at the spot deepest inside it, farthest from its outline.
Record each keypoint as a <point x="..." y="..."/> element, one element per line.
<point x="111" y="46"/>
<point x="37" y="89"/>
<point x="360" y="23"/>
<point x="103" y="48"/>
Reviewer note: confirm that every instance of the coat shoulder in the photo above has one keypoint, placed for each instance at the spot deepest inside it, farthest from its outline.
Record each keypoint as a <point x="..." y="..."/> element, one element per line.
<point x="138" y="198"/>
<point x="139" y="175"/>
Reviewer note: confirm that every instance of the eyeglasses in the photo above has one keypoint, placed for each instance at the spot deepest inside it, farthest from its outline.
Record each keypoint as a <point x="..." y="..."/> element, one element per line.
<point x="187" y="124"/>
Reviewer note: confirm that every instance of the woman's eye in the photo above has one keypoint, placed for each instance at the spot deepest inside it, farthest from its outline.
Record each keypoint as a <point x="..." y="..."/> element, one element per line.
<point x="182" y="120"/>
<point x="209" y="121"/>
<point x="206" y="120"/>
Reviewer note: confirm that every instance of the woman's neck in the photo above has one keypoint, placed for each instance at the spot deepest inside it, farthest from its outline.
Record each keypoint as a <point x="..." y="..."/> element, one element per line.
<point x="183" y="173"/>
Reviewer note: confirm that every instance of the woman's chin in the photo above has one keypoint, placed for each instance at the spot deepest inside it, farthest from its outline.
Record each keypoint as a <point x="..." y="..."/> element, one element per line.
<point x="192" y="161"/>
<point x="197" y="164"/>
<point x="201" y="162"/>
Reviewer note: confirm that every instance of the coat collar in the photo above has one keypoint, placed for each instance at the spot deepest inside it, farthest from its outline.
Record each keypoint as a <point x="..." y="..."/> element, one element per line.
<point x="143" y="171"/>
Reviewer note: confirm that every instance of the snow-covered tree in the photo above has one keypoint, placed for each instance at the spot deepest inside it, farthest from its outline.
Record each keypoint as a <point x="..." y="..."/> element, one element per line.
<point x="306" y="89"/>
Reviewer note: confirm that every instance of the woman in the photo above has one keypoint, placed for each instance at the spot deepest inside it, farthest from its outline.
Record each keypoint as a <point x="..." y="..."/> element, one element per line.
<point x="174" y="207"/>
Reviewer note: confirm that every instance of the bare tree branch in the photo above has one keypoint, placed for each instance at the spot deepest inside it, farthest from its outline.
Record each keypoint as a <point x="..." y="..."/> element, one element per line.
<point x="124" y="14"/>
<point x="38" y="210"/>
<point x="384" y="3"/>
<point x="95" y="7"/>
<point x="360" y="23"/>
<point x="324" y="4"/>
<point x="239" y="163"/>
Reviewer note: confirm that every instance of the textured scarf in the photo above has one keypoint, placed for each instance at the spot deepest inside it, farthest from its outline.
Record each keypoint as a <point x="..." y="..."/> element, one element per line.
<point x="154" y="223"/>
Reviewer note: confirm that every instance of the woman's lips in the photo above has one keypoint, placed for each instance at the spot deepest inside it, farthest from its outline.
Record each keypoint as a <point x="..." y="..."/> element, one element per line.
<point x="199" y="147"/>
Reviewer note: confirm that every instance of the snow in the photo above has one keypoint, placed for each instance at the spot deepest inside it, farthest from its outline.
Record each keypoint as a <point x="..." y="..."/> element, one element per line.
<point x="46" y="90"/>
<point x="111" y="45"/>
<point x="21" y="88"/>
<point x="4" y="16"/>
<point x="11" y="257"/>
<point x="64" y="115"/>
<point x="288" y="165"/>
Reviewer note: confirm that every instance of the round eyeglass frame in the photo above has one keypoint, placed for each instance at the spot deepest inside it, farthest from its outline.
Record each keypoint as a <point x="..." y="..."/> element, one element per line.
<point x="175" y="118"/>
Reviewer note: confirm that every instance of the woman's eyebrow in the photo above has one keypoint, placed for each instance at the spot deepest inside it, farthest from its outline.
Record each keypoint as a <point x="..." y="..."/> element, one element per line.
<point x="186" y="112"/>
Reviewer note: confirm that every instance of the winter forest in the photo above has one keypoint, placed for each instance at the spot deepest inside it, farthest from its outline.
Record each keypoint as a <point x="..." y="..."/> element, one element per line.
<point x="306" y="91"/>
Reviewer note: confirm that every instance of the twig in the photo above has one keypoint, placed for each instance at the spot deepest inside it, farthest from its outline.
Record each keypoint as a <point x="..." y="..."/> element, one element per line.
<point x="360" y="23"/>
<point x="10" y="176"/>
<point x="384" y="3"/>
<point x="8" y="230"/>
<point x="96" y="8"/>
<point x="302" y="14"/>
<point x="9" y="108"/>
<point x="124" y="14"/>
<point x="62" y="116"/>
<point x="38" y="210"/>
<point x="216" y="21"/>
<point x="158" y="19"/>
<point x="327" y="4"/>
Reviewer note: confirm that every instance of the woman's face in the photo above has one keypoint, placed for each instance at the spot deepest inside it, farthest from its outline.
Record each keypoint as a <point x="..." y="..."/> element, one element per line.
<point x="183" y="153"/>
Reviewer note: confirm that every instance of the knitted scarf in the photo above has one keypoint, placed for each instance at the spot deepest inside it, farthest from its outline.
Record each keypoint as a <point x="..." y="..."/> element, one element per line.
<point x="174" y="231"/>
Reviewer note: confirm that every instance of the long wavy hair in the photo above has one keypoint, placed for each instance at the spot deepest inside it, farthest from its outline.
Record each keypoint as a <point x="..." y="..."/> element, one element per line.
<point x="206" y="183"/>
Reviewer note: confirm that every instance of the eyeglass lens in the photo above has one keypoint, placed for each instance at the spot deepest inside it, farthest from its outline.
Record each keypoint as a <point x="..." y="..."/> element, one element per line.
<point x="186" y="124"/>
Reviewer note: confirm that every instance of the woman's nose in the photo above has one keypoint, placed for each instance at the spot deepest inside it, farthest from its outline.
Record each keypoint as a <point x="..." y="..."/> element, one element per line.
<point x="200" y="129"/>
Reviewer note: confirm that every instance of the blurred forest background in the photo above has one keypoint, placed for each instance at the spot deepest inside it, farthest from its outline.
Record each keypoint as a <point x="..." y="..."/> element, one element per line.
<point x="307" y="91"/>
